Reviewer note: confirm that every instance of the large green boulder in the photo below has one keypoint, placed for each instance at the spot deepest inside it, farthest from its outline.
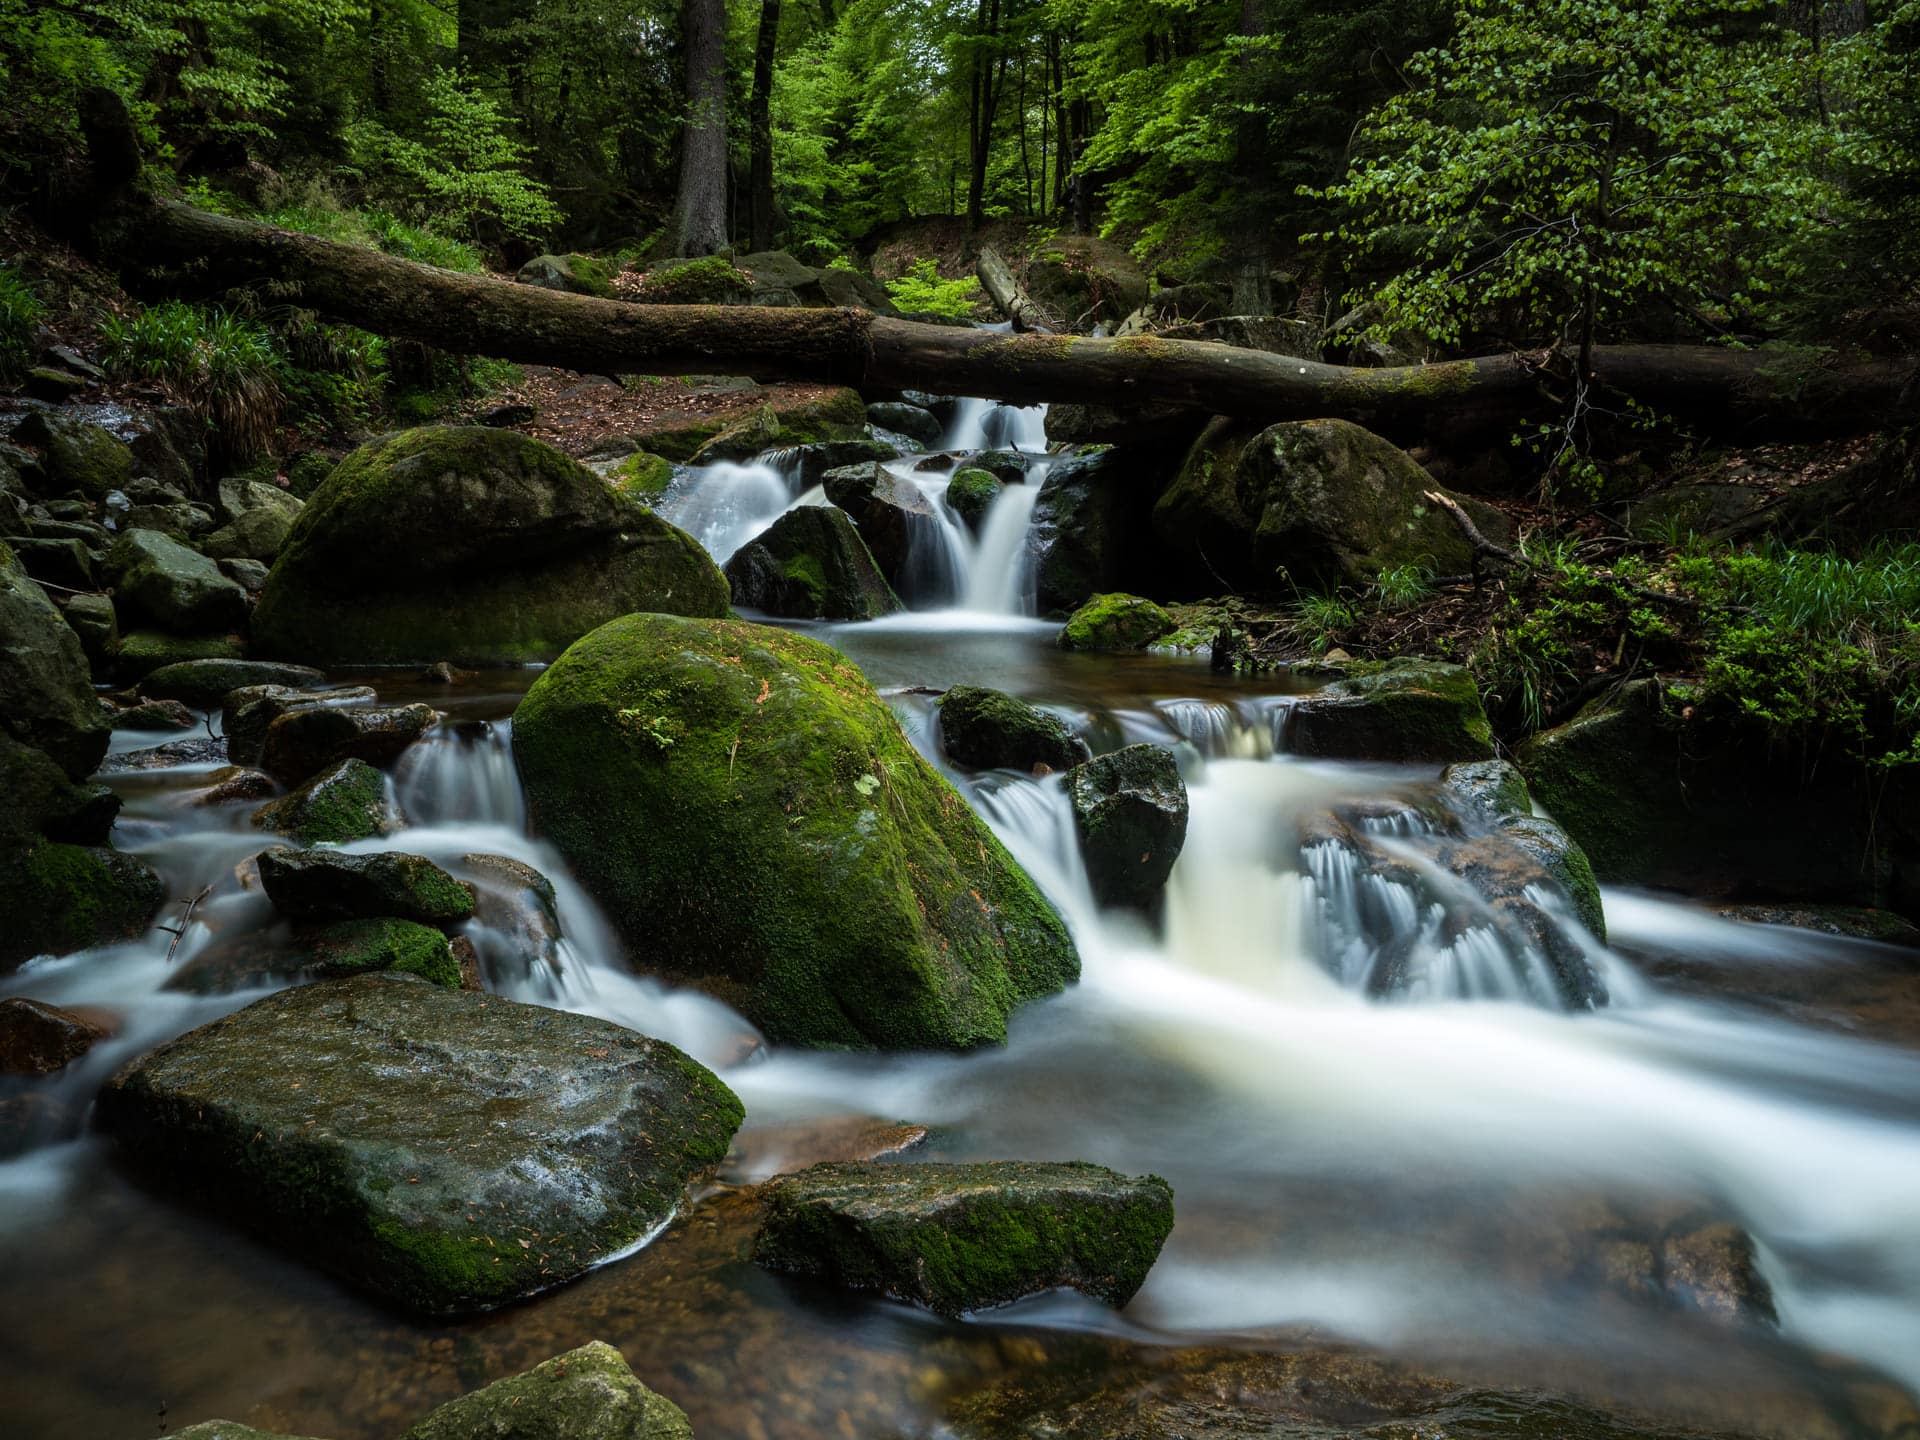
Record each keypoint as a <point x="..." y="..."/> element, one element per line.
<point x="1409" y="711"/>
<point x="454" y="1152"/>
<point x="585" y="1394"/>
<point x="755" y="822"/>
<point x="474" y="545"/>
<point x="159" y="580"/>
<point x="1306" y="503"/>
<point x="810" y="564"/>
<point x="963" y="1237"/>
<point x="46" y="687"/>
<point x="80" y="456"/>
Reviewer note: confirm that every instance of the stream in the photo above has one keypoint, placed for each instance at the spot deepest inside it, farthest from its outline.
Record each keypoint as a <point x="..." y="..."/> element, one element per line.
<point x="1423" y="1173"/>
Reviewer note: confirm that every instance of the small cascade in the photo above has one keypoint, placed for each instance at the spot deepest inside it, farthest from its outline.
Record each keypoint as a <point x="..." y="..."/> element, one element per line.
<point x="1000" y="580"/>
<point x="939" y="550"/>
<point x="725" y="505"/>
<point x="989" y="425"/>
<point x="462" y="774"/>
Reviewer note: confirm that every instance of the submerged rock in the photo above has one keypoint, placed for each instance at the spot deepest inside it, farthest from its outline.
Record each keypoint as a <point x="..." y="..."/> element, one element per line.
<point x="1130" y="808"/>
<point x="585" y="1394"/>
<point x="308" y="738"/>
<point x="990" y="730"/>
<point x="327" y="885"/>
<point x="1115" y="622"/>
<point x="810" y="564"/>
<point x="751" y="816"/>
<point x="473" y="545"/>
<point x="965" y="1237"/>
<point x="1408" y="711"/>
<point x="455" y="1151"/>
<point x="347" y="801"/>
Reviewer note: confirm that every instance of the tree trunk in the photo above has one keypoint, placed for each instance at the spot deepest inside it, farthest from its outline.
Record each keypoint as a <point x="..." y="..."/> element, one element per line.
<point x="983" y="99"/>
<point x="1005" y="292"/>
<point x="700" y="210"/>
<point x="1253" y="265"/>
<point x="760" y="127"/>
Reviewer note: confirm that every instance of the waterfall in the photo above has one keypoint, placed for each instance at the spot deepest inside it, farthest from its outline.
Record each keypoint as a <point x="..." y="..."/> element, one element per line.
<point x="725" y="505"/>
<point x="1000" y="580"/>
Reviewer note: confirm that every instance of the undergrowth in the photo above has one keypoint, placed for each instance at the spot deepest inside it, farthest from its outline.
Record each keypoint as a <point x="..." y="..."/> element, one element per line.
<point x="20" y="312"/>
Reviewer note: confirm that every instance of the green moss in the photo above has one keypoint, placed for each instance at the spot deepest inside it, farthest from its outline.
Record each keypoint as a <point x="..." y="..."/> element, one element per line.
<point x="1115" y="622"/>
<point x="642" y="476"/>
<point x="971" y="494"/>
<point x="1408" y="711"/>
<point x="144" y="651"/>
<point x="987" y="729"/>
<point x="711" y="280"/>
<point x="357" y="947"/>
<point x="346" y="802"/>
<point x="60" y="898"/>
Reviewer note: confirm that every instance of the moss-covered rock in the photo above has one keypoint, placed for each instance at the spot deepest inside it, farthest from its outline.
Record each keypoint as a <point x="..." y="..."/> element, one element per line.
<point x="709" y="280"/>
<point x="813" y="461"/>
<point x="754" y="820"/>
<point x="570" y="274"/>
<point x="971" y="494"/>
<point x="205" y="683"/>
<point x="306" y="471"/>
<point x="347" y="801"/>
<point x="1409" y="711"/>
<point x="1497" y="792"/>
<point x="164" y="583"/>
<point x="59" y="898"/>
<point x="92" y="618"/>
<point x="641" y="477"/>
<point x="810" y="564"/>
<point x="144" y="651"/>
<point x="1084" y="280"/>
<point x="1313" y="502"/>
<point x="885" y="509"/>
<point x="1130" y="808"/>
<point x="46" y="687"/>
<point x="585" y="1394"/>
<point x="1115" y="622"/>
<point x="473" y="545"/>
<point x="80" y="456"/>
<point x="327" y="885"/>
<point x="957" y="1238"/>
<point x="445" y="1128"/>
<point x="750" y="435"/>
<point x="377" y="944"/>
<point x="308" y="738"/>
<point x="991" y="730"/>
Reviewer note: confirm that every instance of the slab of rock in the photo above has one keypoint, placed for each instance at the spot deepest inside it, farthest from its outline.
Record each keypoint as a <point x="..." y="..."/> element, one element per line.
<point x="1409" y="711"/>
<point x="80" y="456"/>
<point x="957" y="1238"/>
<point x="248" y="712"/>
<point x="1130" y="808"/>
<point x="179" y="590"/>
<point x="205" y="683"/>
<point x="990" y="730"/>
<point x="156" y="715"/>
<point x="449" y="1151"/>
<point x="347" y="801"/>
<point x="40" y="1039"/>
<point x="585" y="1394"/>
<point x="309" y="738"/>
<point x="327" y="885"/>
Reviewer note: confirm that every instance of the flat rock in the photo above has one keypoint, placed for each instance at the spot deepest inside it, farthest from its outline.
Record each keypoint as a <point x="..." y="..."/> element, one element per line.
<point x="309" y="738"/>
<point x="327" y="885"/>
<point x="447" y="1150"/>
<point x="204" y="683"/>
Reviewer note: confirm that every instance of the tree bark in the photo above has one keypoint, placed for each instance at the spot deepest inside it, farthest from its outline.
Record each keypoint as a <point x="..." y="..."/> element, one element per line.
<point x="1005" y="292"/>
<point x="760" y="127"/>
<point x="983" y="100"/>
<point x="700" y="210"/>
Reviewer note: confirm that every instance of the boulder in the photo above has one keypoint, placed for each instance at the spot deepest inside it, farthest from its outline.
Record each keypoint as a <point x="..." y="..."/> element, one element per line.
<point x="571" y="274"/>
<point x="205" y="683"/>
<point x="776" y="278"/>
<point x="59" y="898"/>
<point x="327" y="885"/>
<point x="518" y="931"/>
<point x="308" y="738"/>
<point x="1115" y="622"/>
<point x="347" y="801"/>
<point x="156" y="715"/>
<point x="1130" y="808"/>
<point x="46" y="687"/>
<point x="743" y="439"/>
<point x="810" y="564"/>
<point x="903" y="419"/>
<point x="885" y="509"/>
<point x="754" y="821"/>
<point x="92" y="618"/>
<point x="1092" y="525"/>
<point x="990" y="730"/>
<point x="1306" y="503"/>
<point x="144" y="651"/>
<point x="1009" y="467"/>
<point x="179" y="590"/>
<point x="1407" y="711"/>
<point x="249" y="712"/>
<point x="641" y="477"/>
<point x="814" y="461"/>
<point x="971" y="493"/>
<point x="455" y="1152"/>
<point x="1270" y="333"/>
<point x="42" y="801"/>
<point x="176" y="518"/>
<point x="706" y="280"/>
<point x="66" y="564"/>
<point x="80" y="456"/>
<point x="472" y="545"/>
<point x="1497" y="792"/>
<point x="41" y="1039"/>
<point x="376" y="944"/>
<point x="585" y="1394"/>
<point x="259" y="518"/>
<point x="957" y="1238"/>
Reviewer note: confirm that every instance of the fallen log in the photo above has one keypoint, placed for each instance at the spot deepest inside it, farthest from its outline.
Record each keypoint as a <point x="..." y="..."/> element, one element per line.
<point x="1004" y="290"/>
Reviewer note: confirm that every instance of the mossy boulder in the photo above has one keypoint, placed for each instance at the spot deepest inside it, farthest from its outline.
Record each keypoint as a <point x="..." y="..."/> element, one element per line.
<point x="1497" y="792"/>
<point x="1408" y="711"/>
<point x="971" y="494"/>
<point x="46" y="686"/>
<point x="79" y="455"/>
<point x="205" y="683"/>
<point x="1115" y="622"/>
<point x="144" y="651"/>
<point x="641" y="477"/>
<point x="328" y="885"/>
<point x="1130" y="809"/>
<point x="59" y="898"/>
<point x="378" y="944"/>
<point x="347" y="801"/>
<point x="957" y="1238"/>
<point x="810" y="564"/>
<point x="750" y="435"/>
<point x="1084" y="280"/>
<point x="911" y="421"/>
<point x="708" y="280"/>
<point x="161" y="581"/>
<point x="473" y="545"/>
<point x="570" y="274"/>
<point x="445" y="1128"/>
<point x="1307" y="503"/>
<point x="755" y="822"/>
<point x="585" y="1394"/>
<point x="991" y="730"/>
<point x="786" y="419"/>
<point x="308" y="738"/>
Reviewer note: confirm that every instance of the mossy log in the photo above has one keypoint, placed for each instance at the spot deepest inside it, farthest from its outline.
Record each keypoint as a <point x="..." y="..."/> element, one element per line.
<point x="1005" y="292"/>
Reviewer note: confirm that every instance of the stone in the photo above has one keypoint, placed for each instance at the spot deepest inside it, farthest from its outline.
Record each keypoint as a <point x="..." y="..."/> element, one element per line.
<point x="585" y="1394"/>
<point x="327" y="885"/>
<point x="507" y="416"/>
<point x="958" y="1238"/>
<point x="1497" y="791"/>
<point x="54" y="386"/>
<point x="1305" y="504"/>
<point x="41" y="1039"/>
<point x="810" y="564"/>
<point x="42" y="802"/>
<point x="1115" y="622"/>
<point x="179" y="519"/>
<point x="67" y="564"/>
<point x="205" y="683"/>
<point x="92" y="618"/>
<point x="814" y="461"/>
<point x="1085" y="280"/>
<point x="753" y="820"/>
<point x="345" y="802"/>
<point x="249" y="575"/>
<point x="257" y="535"/>
<point x="237" y="783"/>
<point x="970" y="494"/>
<point x="471" y="545"/>
<point x="571" y="274"/>
<point x="1406" y="711"/>
<point x="80" y="456"/>
<point x="46" y="687"/>
<point x="1091" y="531"/>
<point x="59" y="898"/>
<point x="1130" y="808"/>
<point x="308" y="738"/>
<point x="516" y="903"/>
<point x="377" y="944"/>
<point x="986" y="729"/>
<point x="144" y="651"/>
<point x="231" y="1430"/>
<point x="156" y="715"/>
<point x="247" y="713"/>
<point x="886" y="510"/>
<point x="641" y="477"/>
<point x="743" y="439"/>
<point x="179" y="590"/>
<point x="1270" y="333"/>
<point x="903" y="419"/>
<point x="456" y="1151"/>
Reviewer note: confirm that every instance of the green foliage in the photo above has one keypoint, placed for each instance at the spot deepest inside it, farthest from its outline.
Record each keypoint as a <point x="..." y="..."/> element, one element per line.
<point x="224" y="368"/>
<point x="20" y="312"/>
<point x="921" y="291"/>
<point x="1321" y="620"/>
<point x="1400" y="586"/>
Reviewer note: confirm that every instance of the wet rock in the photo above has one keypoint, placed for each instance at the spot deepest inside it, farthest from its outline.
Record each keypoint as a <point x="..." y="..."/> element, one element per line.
<point x="810" y="564"/>
<point x="754" y="821"/>
<point x="1130" y="808"/>
<point x="46" y="688"/>
<point x="372" y="945"/>
<point x="236" y="783"/>
<point x="346" y="802"/>
<point x="65" y="563"/>
<point x="641" y="477"/>
<point x="91" y="617"/>
<point x="1115" y="622"/>
<point x="55" y="386"/>
<point x="1092" y="525"/>
<point x="177" y="589"/>
<point x="472" y="545"/>
<point x="1851" y="922"/>
<point x="455" y="1152"/>
<point x="156" y="715"/>
<point x="904" y="419"/>
<point x="957" y="1238"/>
<point x="1497" y="791"/>
<point x="41" y="802"/>
<point x="1494" y="789"/>
<point x="1407" y="711"/>
<point x="308" y="738"/>
<point x="59" y="898"/>
<point x="204" y="683"/>
<point x="196" y="750"/>
<point x="990" y="730"/>
<point x="585" y="1394"/>
<point x="814" y="461"/>
<point x="80" y="456"/>
<point x="753" y="434"/>
<point x="144" y="651"/>
<point x="41" y="1039"/>
<point x="1009" y="467"/>
<point x="259" y="518"/>
<point x="247" y="713"/>
<point x="778" y="1149"/>
<point x="885" y="509"/>
<point x="516" y="902"/>
<point x="971" y="494"/>
<point x="327" y="885"/>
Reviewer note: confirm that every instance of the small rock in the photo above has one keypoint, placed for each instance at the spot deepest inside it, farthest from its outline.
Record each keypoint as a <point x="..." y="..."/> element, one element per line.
<point x="326" y="885"/>
<point x="1115" y="622"/>
<point x="585" y="1394"/>
<point x="307" y="739"/>
<point x="1130" y="808"/>
<point x="346" y="802"/>
<point x="156" y="715"/>
<point x="505" y="417"/>
<point x="249" y="711"/>
<point x="237" y="783"/>
<point x="40" y="1039"/>
<point x="988" y="730"/>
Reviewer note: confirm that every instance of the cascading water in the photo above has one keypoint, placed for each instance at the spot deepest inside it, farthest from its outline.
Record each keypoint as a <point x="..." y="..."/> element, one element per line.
<point x="725" y="505"/>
